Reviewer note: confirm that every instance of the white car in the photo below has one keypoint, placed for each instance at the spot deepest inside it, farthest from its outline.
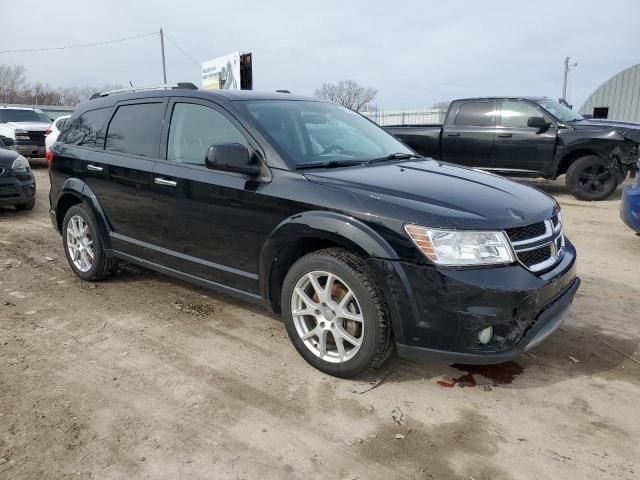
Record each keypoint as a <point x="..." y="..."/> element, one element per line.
<point x="51" y="134"/>
<point x="26" y="127"/>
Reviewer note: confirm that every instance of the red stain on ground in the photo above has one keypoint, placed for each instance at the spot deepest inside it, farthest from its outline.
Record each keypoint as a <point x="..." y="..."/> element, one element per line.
<point x="500" y="374"/>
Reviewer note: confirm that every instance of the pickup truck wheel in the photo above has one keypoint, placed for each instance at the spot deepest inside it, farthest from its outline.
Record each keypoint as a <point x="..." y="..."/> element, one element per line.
<point x="335" y="313"/>
<point x="588" y="178"/>
<point x="83" y="245"/>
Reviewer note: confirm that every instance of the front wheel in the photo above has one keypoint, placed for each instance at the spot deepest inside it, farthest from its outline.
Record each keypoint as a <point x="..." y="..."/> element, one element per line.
<point x="588" y="178"/>
<point x="335" y="313"/>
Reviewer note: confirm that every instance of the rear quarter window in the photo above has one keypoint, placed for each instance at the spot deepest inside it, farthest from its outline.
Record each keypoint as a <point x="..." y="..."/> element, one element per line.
<point x="85" y="131"/>
<point x="135" y="129"/>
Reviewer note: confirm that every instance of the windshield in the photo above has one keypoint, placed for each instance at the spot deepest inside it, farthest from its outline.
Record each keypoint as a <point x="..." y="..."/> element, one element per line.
<point x="9" y="115"/>
<point x="306" y="132"/>
<point x="558" y="110"/>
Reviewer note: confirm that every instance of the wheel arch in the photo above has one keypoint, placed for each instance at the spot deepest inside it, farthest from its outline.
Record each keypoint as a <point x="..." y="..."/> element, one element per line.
<point x="73" y="192"/>
<point x="311" y="231"/>
<point x="572" y="156"/>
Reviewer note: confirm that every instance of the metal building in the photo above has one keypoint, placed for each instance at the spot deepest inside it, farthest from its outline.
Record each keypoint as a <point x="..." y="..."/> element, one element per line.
<point x="616" y="99"/>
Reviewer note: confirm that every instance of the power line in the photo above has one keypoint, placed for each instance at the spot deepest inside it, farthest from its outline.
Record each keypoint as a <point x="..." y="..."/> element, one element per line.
<point x="199" y="64"/>
<point x="79" y="46"/>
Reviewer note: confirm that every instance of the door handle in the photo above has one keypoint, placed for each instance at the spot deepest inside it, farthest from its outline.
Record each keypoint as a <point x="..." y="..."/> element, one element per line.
<point x="505" y="135"/>
<point x="456" y="134"/>
<point x="164" y="182"/>
<point x="94" y="168"/>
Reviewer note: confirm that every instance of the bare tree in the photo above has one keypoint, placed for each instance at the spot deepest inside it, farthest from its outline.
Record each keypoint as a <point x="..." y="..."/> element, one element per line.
<point x="443" y="105"/>
<point x="348" y="93"/>
<point x="12" y="81"/>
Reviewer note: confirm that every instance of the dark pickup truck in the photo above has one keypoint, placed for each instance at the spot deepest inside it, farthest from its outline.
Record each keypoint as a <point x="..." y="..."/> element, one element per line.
<point x="531" y="137"/>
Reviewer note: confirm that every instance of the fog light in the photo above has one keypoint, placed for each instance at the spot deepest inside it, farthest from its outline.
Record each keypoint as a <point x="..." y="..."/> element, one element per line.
<point x="485" y="335"/>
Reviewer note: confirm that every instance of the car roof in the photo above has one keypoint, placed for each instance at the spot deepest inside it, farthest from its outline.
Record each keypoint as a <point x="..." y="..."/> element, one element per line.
<point x="9" y="107"/>
<point x="506" y="97"/>
<point x="108" y="99"/>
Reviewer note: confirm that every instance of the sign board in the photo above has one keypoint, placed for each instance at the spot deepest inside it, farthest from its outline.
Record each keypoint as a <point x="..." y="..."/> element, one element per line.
<point x="230" y="72"/>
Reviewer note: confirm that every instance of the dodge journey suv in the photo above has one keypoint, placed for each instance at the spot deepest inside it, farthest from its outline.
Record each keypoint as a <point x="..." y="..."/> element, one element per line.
<point x="314" y="212"/>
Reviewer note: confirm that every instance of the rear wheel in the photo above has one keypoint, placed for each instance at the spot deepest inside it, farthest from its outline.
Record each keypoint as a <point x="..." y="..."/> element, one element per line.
<point x="588" y="178"/>
<point x="83" y="245"/>
<point x="335" y="313"/>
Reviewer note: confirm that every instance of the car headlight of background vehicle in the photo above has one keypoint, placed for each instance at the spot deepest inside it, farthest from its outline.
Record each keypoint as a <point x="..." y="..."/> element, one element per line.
<point x="20" y="164"/>
<point x="461" y="247"/>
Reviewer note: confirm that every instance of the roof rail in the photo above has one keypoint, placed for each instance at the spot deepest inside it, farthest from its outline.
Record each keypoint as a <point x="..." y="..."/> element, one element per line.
<point x="179" y="85"/>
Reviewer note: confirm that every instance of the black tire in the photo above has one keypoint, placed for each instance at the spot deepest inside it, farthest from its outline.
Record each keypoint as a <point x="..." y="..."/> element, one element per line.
<point x="588" y="178"/>
<point x="377" y="339"/>
<point x="26" y="206"/>
<point x="102" y="265"/>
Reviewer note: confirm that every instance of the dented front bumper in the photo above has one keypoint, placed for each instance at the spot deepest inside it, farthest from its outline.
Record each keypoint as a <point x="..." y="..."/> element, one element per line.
<point x="441" y="312"/>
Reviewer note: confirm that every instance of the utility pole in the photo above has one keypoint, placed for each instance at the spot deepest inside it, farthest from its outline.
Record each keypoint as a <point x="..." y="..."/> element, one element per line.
<point x="164" y="65"/>
<point x="565" y="75"/>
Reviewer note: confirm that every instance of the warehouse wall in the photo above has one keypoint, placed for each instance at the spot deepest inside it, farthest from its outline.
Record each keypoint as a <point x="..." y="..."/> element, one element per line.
<point x="620" y="94"/>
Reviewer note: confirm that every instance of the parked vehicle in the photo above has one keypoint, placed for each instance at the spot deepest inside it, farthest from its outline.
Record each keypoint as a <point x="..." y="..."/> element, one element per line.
<point x="630" y="205"/>
<point x="531" y="137"/>
<point x="52" y="133"/>
<point x="17" y="183"/>
<point x="314" y="212"/>
<point x="26" y="127"/>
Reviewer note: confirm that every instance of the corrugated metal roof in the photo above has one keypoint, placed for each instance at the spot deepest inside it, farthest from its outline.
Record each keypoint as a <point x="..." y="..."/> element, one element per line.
<point x="620" y="94"/>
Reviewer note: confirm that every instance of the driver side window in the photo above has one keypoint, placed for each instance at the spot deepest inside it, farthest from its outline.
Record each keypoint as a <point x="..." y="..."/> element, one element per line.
<point x="194" y="128"/>
<point x="514" y="114"/>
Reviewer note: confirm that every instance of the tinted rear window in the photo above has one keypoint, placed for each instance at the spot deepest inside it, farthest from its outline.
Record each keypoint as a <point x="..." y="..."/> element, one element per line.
<point x="475" y="114"/>
<point x="10" y="115"/>
<point x="85" y="130"/>
<point x="135" y="129"/>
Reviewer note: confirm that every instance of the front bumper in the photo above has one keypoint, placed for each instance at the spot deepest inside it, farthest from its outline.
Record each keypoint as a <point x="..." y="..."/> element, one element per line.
<point x="630" y="206"/>
<point x="18" y="189"/>
<point x="437" y="311"/>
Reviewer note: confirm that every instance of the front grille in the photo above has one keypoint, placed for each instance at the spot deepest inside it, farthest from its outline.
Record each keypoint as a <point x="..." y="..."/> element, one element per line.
<point x="538" y="246"/>
<point x="536" y="256"/>
<point x="519" y="234"/>
<point x="36" y="137"/>
<point x="8" y="191"/>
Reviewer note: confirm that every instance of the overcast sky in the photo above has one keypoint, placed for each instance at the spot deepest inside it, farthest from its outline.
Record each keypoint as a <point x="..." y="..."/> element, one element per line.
<point x="414" y="52"/>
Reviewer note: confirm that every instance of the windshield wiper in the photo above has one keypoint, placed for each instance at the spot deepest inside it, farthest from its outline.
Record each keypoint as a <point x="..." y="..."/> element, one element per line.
<point x="329" y="164"/>
<point x="393" y="156"/>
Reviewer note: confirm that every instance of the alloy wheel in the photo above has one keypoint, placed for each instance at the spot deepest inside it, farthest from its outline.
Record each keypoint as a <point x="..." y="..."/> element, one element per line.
<point x="80" y="243"/>
<point x="327" y="316"/>
<point x="595" y="178"/>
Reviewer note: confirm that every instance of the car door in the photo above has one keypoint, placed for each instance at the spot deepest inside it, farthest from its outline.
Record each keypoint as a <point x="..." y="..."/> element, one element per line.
<point x="209" y="223"/>
<point x="120" y="172"/>
<point x="468" y="135"/>
<point x="519" y="148"/>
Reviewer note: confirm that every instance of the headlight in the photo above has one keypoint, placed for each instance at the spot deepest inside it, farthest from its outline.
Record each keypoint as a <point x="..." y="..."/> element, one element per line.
<point x="461" y="247"/>
<point x="20" y="164"/>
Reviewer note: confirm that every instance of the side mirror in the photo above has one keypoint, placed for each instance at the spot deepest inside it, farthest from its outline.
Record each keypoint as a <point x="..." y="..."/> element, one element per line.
<point x="232" y="157"/>
<point x="538" y="123"/>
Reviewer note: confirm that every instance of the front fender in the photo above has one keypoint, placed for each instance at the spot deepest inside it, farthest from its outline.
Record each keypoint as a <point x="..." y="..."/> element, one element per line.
<point x="81" y="191"/>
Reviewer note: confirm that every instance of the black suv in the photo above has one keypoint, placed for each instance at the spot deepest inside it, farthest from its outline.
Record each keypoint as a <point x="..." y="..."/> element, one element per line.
<point x="312" y="211"/>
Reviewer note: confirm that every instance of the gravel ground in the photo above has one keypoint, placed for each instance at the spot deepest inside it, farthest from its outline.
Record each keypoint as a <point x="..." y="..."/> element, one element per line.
<point x="143" y="376"/>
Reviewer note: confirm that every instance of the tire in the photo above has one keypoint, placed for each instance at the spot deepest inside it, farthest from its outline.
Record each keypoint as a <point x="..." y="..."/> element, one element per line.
<point x="352" y="283"/>
<point x="589" y="179"/>
<point x="26" y="206"/>
<point x="101" y="266"/>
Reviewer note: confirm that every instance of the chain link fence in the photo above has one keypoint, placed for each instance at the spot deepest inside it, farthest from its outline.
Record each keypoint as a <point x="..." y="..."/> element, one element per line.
<point x="424" y="116"/>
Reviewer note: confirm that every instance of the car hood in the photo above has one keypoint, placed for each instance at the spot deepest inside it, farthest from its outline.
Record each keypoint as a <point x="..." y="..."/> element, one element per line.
<point x="31" y="126"/>
<point x="628" y="130"/>
<point x="7" y="157"/>
<point x="441" y="195"/>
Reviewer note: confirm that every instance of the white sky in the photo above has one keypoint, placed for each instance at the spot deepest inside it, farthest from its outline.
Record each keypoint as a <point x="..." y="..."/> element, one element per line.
<point x="414" y="52"/>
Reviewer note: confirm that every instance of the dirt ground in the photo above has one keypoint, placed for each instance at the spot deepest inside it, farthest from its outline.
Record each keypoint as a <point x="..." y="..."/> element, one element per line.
<point x="143" y="376"/>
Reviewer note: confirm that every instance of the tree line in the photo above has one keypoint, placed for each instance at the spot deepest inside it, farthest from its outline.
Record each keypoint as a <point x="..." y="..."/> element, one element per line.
<point x="14" y="88"/>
